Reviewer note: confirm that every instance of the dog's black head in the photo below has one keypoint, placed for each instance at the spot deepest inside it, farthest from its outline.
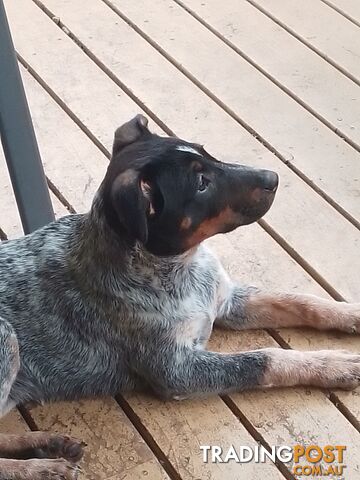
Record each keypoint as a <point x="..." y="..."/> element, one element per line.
<point x="171" y="195"/>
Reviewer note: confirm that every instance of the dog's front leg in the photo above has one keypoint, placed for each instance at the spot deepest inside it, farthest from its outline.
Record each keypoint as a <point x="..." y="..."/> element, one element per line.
<point x="248" y="308"/>
<point x="184" y="372"/>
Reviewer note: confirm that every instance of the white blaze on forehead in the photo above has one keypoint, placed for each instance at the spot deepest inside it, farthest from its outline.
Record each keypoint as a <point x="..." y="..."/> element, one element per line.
<point x="188" y="149"/>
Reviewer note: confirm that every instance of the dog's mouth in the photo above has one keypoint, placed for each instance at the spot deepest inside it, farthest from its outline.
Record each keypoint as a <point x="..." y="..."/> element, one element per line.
<point x="255" y="213"/>
<point x="261" y="204"/>
<point x="253" y="196"/>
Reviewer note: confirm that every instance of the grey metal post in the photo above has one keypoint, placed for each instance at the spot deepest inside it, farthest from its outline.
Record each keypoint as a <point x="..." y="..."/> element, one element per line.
<point x="18" y="139"/>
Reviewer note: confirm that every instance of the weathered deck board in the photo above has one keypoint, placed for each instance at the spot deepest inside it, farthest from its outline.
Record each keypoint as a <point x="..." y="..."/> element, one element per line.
<point x="266" y="249"/>
<point x="9" y="216"/>
<point x="181" y="429"/>
<point x="13" y="423"/>
<point x="115" y="449"/>
<point x="167" y="92"/>
<point x="304" y="141"/>
<point x="349" y="7"/>
<point x="321" y="27"/>
<point x="65" y="75"/>
<point x="166" y="23"/>
<point x="86" y="165"/>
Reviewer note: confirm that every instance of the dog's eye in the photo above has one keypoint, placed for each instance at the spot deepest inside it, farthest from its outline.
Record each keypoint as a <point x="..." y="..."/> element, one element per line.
<point x="203" y="183"/>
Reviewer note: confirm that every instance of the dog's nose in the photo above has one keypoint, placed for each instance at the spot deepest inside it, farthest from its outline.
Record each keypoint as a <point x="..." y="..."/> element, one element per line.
<point x="270" y="180"/>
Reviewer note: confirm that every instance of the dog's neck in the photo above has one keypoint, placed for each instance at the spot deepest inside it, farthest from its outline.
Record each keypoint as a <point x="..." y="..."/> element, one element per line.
<point x="103" y="252"/>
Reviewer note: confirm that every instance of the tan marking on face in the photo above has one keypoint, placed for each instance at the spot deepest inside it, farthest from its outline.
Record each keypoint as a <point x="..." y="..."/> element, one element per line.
<point x="212" y="226"/>
<point x="323" y="368"/>
<point x="185" y="223"/>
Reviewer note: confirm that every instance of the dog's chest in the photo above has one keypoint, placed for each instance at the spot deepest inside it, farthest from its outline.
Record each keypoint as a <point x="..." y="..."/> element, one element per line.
<point x="194" y="312"/>
<point x="194" y="321"/>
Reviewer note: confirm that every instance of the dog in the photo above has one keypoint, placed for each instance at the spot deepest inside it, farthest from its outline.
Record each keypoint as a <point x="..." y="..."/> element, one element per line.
<point x="125" y="297"/>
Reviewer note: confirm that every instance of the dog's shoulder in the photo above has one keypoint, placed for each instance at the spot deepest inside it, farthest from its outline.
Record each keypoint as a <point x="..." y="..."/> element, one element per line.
<point x="23" y="258"/>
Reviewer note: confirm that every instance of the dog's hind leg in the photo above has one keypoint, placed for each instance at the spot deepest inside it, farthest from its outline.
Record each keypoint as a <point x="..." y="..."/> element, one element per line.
<point x="30" y="445"/>
<point x="39" y="456"/>
<point x="9" y="364"/>
<point x="36" y="469"/>
<point x="40" y="445"/>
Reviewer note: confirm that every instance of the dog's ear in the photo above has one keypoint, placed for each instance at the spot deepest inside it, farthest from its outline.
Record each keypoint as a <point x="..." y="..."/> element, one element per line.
<point x="131" y="199"/>
<point x="130" y="132"/>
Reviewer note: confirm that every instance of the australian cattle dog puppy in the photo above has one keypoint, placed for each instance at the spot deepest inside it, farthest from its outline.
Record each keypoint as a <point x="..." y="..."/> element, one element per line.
<point x="125" y="297"/>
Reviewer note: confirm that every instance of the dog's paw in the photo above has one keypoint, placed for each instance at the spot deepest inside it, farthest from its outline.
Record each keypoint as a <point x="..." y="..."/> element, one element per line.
<point x="47" y="469"/>
<point x="60" y="446"/>
<point x="336" y="369"/>
<point x="323" y="368"/>
<point x="59" y="469"/>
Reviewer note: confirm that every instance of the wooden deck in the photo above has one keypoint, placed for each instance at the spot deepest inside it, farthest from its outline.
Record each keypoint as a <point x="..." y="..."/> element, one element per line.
<point x="269" y="83"/>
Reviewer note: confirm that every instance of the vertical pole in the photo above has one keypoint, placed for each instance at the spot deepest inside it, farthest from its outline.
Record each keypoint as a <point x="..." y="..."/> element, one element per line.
<point x="18" y="139"/>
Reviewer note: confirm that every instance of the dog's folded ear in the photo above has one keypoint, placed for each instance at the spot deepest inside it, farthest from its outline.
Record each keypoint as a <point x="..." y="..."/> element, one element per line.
<point x="130" y="132"/>
<point x="131" y="202"/>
